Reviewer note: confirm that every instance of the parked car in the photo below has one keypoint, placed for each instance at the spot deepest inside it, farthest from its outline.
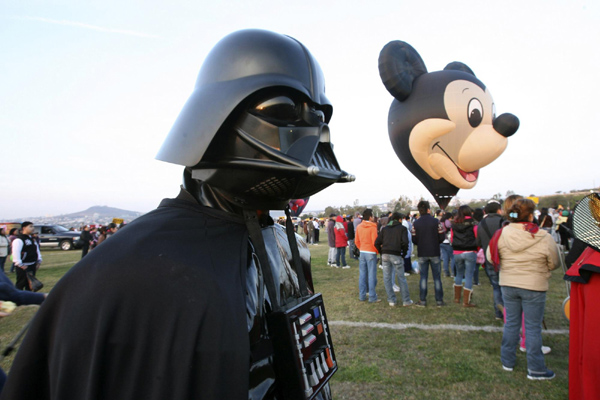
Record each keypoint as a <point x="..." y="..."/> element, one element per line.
<point x="58" y="236"/>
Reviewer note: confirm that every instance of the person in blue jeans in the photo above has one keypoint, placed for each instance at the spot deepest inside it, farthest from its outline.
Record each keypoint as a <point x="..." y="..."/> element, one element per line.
<point x="464" y="243"/>
<point x="526" y="255"/>
<point x="446" y="250"/>
<point x="392" y="244"/>
<point x="427" y="234"/>
<point x="485" y="230"/>
<point x="366" y="234"/>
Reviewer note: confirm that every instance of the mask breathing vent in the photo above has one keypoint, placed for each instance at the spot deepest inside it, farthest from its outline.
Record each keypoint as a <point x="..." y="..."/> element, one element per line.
<point x="272" y="187"/>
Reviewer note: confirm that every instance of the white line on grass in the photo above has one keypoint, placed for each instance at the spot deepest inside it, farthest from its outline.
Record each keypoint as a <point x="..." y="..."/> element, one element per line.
<point x="466" y="328"/>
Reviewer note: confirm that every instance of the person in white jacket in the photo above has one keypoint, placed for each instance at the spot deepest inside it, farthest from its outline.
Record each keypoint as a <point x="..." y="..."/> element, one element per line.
<point x="526" y="255"/>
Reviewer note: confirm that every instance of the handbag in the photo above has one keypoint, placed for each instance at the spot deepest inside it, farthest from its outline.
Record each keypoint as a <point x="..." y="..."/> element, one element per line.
<point x="34" y="283"/>
<point x="356" y="252"/>
<point x="480" y="257"/>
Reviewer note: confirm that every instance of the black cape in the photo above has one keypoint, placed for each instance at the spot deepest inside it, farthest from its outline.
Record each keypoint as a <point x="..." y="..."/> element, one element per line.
<point x="156" y="312"/>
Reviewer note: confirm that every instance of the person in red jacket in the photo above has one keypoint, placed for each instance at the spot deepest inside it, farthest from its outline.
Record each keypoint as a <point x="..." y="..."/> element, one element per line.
<point x="341" y="242"/>
<point x="366" y="234"/>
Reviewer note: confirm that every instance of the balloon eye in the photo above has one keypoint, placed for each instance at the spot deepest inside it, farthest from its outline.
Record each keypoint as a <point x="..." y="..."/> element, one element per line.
<point x="475" y="113"/>
<point x="281" y="108"/>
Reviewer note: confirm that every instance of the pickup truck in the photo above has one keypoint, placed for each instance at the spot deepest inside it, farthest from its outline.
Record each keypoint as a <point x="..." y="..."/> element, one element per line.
<point x="57" y="236"/>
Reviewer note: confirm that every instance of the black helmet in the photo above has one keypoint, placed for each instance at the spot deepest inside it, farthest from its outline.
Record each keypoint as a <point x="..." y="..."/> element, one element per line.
<point x="256" y="124"/>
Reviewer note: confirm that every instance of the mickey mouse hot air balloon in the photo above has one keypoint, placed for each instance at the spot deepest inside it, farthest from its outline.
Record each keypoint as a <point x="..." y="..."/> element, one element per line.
<point x="442" y="124"/>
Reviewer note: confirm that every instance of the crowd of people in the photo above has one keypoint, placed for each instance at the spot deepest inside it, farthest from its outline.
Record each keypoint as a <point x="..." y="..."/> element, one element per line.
<point x="454" y="244"/>
<point x="511" y="241"/>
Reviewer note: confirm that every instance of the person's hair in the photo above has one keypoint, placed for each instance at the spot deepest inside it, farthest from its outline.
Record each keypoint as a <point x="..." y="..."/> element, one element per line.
<point x="544" y="210"/>
<point x="492" y="207"/>
<point x="2" y="229"/>
<point x="463" y="211"/>
<point x="396" y="217"/>
<point x="423" y="206"/>
<point x="447" y="215"/>
<point x="102" y="230"/>
<point x="508" y="202"/>
<point x="348" y="217"/>
<point x="26" y="223"/>
<point x="520" y="210"/>
<point x="367" y="214"/>
<point x="478" y="214"/>
<point x="439" y="212"/>
<point x="12" y="231"/>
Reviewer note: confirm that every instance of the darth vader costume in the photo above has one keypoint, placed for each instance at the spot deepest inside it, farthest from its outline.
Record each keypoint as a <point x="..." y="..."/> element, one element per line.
<point x="204" y="297"/>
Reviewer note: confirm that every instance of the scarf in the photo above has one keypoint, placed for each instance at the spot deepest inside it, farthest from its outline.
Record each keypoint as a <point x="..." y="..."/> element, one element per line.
<point x="495" y="255"/>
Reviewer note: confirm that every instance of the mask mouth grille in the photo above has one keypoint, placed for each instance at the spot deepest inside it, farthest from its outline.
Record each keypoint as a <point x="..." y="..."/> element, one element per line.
<point x="273" y="187"/>
<point x="324" y="158"/>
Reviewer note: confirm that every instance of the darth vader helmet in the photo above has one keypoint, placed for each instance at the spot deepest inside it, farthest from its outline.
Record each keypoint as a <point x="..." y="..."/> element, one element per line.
<point x="255" y="126"/>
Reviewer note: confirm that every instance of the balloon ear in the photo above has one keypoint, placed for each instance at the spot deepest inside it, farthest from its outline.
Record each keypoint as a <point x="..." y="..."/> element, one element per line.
<point x="399" y="66"/>
<point x="458" y="66"/>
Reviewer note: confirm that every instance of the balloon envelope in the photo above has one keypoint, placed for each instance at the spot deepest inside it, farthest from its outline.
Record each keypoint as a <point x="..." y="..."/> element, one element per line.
<point x="297" y="206"/>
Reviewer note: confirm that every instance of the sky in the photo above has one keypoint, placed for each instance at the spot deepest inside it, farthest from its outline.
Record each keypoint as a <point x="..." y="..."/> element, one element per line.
<point x="89" y="91"/>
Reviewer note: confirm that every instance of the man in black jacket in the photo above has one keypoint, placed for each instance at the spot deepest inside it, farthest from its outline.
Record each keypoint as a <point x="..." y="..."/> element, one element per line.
<point x="487" y="227"/>
<point x="351" y="236"/>
<point x="427" y="234"/>
<point x="27" y="256"/>
<point x="86" y="239"/>
<point x="392" y="244"/>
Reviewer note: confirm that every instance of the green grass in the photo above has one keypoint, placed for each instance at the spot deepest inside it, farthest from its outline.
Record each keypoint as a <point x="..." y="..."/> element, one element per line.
<point x="381" y="363"/>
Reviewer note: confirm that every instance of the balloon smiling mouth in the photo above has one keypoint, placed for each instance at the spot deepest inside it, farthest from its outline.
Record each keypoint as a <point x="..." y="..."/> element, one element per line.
<point x="467" y="176"/>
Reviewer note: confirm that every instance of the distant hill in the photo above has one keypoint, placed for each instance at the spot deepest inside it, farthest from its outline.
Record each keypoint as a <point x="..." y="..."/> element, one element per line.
<point x="104" y="211"/>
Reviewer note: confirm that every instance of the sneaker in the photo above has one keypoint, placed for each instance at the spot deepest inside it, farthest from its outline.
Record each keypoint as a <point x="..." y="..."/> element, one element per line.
<point x="334" y="265"/>
<point x="406" y="274"/>
<point x="346" y="267"/>
<point x="376" y="301"/>
<point x="545" y="376"/>
<point x="440" y="304"/>
<point x="504" y="367"/>
<point x="380" y="266"/>
<point x="545" y="349"/>
<point x="396" y="288"/>
<point x="392" y="304"/>
<point x="421" y="303"/>
<point x="408" y="304"/>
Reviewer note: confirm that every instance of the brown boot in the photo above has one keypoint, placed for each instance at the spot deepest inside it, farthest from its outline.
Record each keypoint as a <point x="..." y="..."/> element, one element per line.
<point x="457" y="293"/>
<point x="467" y="298"/>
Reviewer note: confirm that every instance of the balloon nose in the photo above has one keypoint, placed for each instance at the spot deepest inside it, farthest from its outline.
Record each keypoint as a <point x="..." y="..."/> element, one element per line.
<point x="506" y="124"/>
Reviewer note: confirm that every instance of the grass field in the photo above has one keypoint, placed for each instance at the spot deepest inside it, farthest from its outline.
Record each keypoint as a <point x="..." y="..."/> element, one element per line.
<point x="412" y="363"/>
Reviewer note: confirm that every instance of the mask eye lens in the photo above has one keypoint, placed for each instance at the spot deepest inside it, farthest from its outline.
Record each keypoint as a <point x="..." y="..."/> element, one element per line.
<point x="320" y="114"/>
<point x="280" y="108"/>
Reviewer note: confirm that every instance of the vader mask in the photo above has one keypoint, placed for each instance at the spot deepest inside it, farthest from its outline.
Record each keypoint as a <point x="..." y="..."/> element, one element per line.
<point x="255" y="127"/>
